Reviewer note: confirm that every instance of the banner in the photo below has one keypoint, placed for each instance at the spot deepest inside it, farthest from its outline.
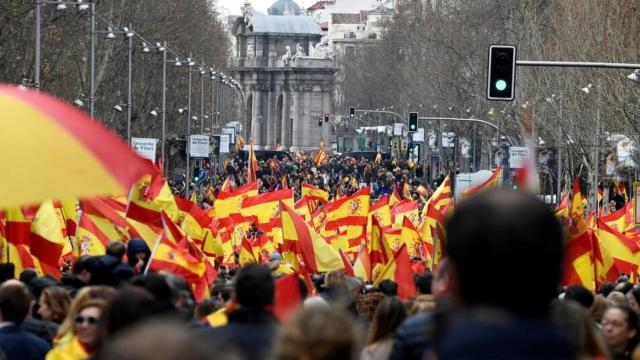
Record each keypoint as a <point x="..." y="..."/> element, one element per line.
<point x="518" y="156"/>
<point x="199" y="146"/>
<point x="224" y="143"/>
<point x="145" y="147"/>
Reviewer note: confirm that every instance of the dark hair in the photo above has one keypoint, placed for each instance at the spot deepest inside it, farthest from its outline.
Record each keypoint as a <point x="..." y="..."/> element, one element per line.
<point x="7" y="272"/>
<point x="206" y="307"/>
<point x="624" y="287"/>
<point x="389" y="315"/>
<point x="636" y="294"/>
<point x="27" y="275"/>
<point x="492" y="234"/>
<point x="14" y="303"/>
<point x="580" y="294"/>
<point x="117" y="249"/>
<point x="254" y="286"/>
<point x="81" y="264"/>
<point x="606" y="289"/>
<point x="129" y="306"/>
<point x="388" y="287"/>
<point x="423" y="282"/>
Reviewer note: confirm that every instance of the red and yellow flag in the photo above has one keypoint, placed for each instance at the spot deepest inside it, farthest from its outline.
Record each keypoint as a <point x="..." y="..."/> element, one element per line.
<point x="314" y="192"/>
<point x="316" y="254"/>
<point x="491" y="183"/>
<point x="399" y="270"/>
<point x="406" y="208"/>
<point x="230" y="202"/>
<point x="252" y="166"/>
<point x="48" y="239"/>
<point x="321" y="157"/>
<point x="441" y="197"/>
<point x="90" y="240"/>
<point x="150" y="196"/>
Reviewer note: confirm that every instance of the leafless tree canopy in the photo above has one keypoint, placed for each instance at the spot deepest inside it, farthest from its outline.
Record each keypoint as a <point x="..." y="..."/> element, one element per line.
<point x="432" y="59"/>
<point x="187" y="26"/>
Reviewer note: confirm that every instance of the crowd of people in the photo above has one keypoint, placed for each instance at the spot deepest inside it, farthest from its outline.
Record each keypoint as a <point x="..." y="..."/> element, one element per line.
<point x="489" y="298"/>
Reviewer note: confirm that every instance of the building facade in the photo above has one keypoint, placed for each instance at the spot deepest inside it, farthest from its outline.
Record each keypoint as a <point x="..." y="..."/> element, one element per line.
<point x="287" y="75"/>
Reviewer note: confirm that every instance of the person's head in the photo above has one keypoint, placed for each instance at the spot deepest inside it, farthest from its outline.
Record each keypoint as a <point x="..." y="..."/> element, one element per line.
<point x="569" y="316"/>
<point x="206" y="307"/>
<point x="27" y="275"/>
<point x="129" y="305"/>
<point x="579" y="294"/>
<point x="138" y="252"/>
<point x="633" y="299"/>
<point x="389" y="314"/>
<point x="84" y="296"/>
<point x="368" y="303"/>
<point x="116" y="249"/>
<point x="388" y="287"/>
<point x="254" y="286"/>
<point x="624" y="286"/>
<point x="54" y="304"/>
<point x="619" y="327"/>
<point x="160" y="340"/>
<point x="81" y="268"/>
<point x="7" y="272"/>
<point x="617" y="298"/>
<point x="605" y="289"/>
<point x="85" y="323"/>
<point x="15" y="300"/>
<point x="491" y="234"/>
<point x="423" y="282"/>
<point x="319" y="333"/>
<point x="334" y="278"/>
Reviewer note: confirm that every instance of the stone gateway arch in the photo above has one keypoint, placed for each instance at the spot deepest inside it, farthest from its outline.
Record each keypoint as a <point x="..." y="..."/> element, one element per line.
<point x="287" y="75"/>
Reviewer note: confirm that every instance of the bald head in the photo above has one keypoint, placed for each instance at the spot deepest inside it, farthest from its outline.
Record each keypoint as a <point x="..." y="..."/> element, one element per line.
<point x="504" y="238"/>
<point x="15" y="300"/>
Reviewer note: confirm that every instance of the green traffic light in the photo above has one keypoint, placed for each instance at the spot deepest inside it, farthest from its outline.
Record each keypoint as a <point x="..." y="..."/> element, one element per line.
<point x="501" y="85"/>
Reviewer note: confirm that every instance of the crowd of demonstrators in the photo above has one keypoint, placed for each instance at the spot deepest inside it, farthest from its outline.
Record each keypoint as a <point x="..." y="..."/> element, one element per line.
<point x="336" y="175"/>
<point x="489" y="298"/>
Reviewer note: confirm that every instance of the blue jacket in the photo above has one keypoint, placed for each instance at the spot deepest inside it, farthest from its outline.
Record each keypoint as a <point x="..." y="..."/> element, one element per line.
<point x="20" y="345"/>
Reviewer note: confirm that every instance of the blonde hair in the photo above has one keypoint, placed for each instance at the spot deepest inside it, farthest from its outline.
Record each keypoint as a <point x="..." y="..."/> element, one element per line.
<point x="83" y="297"/>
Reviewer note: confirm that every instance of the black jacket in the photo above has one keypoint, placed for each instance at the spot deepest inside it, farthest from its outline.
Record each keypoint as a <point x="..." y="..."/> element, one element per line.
<point x="249" y="333"/>
<point x="19" y="344"/>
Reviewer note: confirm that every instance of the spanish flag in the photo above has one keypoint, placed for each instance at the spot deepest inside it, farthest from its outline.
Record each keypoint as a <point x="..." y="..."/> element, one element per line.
<point x="228" y="185"/>
<point x="441" y="197"/>
<point x="577" y="206"/>
<point x="406" y="190"/>
<point x="625" y="253"/>
<point x="379" y="250"/>
<point x="362" y="265"/>
<point x="48" y="240"/>
<point x="252" y="166"/>
<point x="399" y="270"/>
<point x="16" y="247"/>
<point x="378" y="158"/>
<point x="266" y="206"/>
<point x="229" y="202"/>
<point x="148" y="197"/>
<point x="284" y="184"/>
<point x="321" y="157"/>
<point x="411" y="237"/>
<point x="246" y="255"/>
<point x="349" y="210"/>
<point x="381" y="211"/>
<point x="89" y="240"/>
<point x="314" y="192"/>
<point x="239" y="143"/>
<point x="404" y="209"/>
<point x="491" y="183"/>
<point x="316" y="254"/>
<point x="194" y="197"/>
<point x="175" y="253"/>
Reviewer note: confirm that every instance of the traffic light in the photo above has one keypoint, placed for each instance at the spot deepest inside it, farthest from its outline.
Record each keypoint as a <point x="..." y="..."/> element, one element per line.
<point x="413" y="121"/>
<point x="326" y="117"/>
<point x="501" y="72"/>
<point x="320" y="122"/>
<point x="352" y="112"/>
<point x="196" y="174"/>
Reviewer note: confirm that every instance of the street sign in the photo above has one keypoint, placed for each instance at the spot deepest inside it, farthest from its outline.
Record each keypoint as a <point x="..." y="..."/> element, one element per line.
<point x="418" y="136"/>
<point x="231" y="131"/>
<point x="397" y="129"/>
<point x="145" y="147"/>
<point x="199" y="146"/>
<point x="224" y="143"/>
<point x="518" y="156"/>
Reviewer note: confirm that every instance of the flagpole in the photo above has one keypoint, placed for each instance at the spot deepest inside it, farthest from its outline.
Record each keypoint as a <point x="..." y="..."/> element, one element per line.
<point x="153" y="252"/>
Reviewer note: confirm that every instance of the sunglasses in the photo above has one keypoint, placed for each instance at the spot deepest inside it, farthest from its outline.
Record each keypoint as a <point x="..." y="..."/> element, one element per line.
<point x="89" y="320"/>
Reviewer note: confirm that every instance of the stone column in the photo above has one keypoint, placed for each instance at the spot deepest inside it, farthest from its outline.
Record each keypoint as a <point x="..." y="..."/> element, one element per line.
<point x="306" y="118"/>
<point x="271" y="116"/>
<point x="255" y="114"/>
<point x="285" y="120"/>
<point x="296" y="128"/>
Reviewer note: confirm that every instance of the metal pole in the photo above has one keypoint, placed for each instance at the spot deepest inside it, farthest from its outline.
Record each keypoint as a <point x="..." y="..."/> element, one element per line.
<point x="597" y="152"/>
<point x="92" y="60"/>
<point x="164" y="103"/>
<point x="559" y="159"/>
<point x="202" y="101"/>
<point x="213" y="109"/>
<point x="577" y="64"/>
<point x="36" y="76"/>
<point x="129" y="68"/>
<point x="188" y="152"/>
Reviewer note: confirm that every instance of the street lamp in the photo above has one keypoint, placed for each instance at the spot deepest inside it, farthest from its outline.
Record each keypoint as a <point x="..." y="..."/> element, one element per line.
<point x="596" y="162"/>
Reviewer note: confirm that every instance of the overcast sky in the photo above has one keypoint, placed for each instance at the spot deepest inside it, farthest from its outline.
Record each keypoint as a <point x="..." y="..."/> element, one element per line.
<point x="232" y="7"/>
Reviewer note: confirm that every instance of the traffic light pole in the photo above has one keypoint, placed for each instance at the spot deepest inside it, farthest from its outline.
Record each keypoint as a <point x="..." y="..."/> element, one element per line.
<point x="467" y="120"/>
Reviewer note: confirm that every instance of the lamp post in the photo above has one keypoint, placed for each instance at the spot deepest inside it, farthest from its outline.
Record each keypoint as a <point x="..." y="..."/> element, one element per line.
<point x="596" y="162"/>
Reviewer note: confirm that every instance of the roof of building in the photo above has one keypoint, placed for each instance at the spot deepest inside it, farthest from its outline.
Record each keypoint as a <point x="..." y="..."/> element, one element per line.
<point x="261" y="23"/>
<point x="337" y="18"/>
<point x="381" y="10"/>
<point x="285" y="7"/>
